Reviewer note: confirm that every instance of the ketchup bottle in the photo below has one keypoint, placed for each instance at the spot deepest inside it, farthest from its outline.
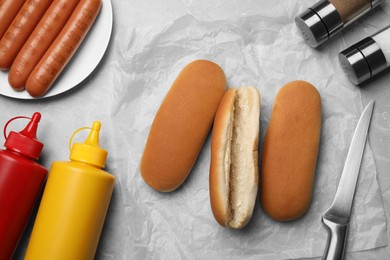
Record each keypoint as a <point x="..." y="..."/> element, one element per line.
<point x="21" y="180"/>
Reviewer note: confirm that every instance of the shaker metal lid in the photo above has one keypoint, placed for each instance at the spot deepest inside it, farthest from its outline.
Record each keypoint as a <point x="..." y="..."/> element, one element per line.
<point x="313" y="30"/>
<point x="375" y="3"/>
<point x="319" y="22"/>
<point x="354" y="65"/>
<point x="363" y="60"/>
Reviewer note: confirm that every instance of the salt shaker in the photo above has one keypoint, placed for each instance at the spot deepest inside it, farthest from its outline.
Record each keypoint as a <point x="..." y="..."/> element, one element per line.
<point x="367" y="58"/>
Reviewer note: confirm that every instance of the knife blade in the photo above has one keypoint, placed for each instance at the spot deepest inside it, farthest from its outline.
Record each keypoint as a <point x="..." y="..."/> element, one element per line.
<point x="336" y="218"/>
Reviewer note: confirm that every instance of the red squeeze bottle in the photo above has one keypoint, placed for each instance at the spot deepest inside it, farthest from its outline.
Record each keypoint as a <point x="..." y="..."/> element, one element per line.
<point x="21" y="180"/>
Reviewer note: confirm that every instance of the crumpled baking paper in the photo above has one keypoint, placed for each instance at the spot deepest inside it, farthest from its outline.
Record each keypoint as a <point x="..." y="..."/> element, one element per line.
<point x="256" y="43"/>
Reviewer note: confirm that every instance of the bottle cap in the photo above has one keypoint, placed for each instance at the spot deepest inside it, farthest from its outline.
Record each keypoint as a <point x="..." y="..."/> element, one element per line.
<point x="319" y="22"/>
<point x="363" y="60"/>
<point x="25" y="142"/>
<point x="90" y="151"/>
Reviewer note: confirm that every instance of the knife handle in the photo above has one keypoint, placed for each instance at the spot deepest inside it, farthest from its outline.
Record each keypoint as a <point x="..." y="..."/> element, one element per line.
<point x="337" y="238"/>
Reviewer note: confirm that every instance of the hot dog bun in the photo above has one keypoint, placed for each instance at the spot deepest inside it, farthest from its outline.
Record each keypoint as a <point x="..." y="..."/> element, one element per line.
<point x="234" y="157"/>
<point x="290" y="151"/>
<point x="182" y="124"/>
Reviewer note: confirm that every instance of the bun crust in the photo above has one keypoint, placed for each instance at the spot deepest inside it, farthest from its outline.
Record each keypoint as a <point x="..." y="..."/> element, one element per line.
<point x="182" y="124"/>
<point x="234" y="157"/>
<point x="290" y="151"/>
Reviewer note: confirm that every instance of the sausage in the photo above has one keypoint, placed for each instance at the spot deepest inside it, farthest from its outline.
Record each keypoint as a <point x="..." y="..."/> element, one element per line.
<point x="63" y="47"/>
<point x="20" y="29"/>
<point x="39" y="41"/>
<point x="290" y="151"/>
<point x="8" y="10"/>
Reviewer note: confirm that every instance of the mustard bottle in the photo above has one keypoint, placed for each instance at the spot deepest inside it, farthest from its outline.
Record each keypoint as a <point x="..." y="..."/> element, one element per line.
<point x="74" y="204"/>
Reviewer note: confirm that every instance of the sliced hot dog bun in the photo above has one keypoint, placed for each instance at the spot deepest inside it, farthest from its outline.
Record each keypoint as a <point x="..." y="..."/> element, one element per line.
<point x="234" y="157"/>
<point x="221" y="159"/>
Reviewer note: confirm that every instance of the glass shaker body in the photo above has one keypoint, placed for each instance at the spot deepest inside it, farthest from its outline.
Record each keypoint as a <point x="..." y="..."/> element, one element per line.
<point x="350" y="10"/>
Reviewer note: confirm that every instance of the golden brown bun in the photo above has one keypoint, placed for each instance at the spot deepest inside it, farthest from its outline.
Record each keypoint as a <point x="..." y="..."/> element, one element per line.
<point x="290" y="151"/>
<point x="234" y="157"/>
<point x="182" y="124"/>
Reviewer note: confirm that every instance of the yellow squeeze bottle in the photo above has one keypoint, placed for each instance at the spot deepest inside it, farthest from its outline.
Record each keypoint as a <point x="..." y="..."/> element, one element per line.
<point x="74" y="204"/>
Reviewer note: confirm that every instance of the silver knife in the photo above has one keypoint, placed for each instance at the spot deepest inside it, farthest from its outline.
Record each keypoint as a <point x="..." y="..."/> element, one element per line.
<point x="336" y="218"/>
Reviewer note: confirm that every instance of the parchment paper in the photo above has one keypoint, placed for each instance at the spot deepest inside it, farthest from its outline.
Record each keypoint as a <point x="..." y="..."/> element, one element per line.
<point x="256" y="43"/>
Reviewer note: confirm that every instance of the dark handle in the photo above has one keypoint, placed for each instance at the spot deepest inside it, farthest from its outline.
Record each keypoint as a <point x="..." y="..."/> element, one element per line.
<point x="337" y="238"/>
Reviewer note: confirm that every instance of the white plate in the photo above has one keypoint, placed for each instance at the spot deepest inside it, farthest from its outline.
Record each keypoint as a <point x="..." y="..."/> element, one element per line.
<point x="83" y="62"/>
